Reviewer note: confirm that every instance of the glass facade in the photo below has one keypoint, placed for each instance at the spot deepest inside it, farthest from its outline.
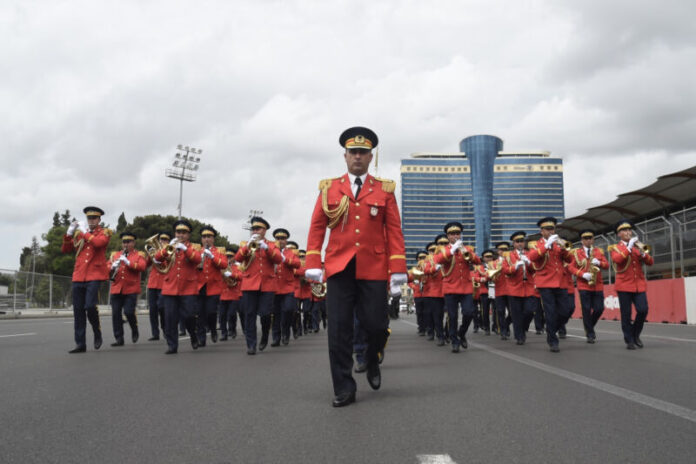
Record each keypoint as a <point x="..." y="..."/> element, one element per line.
<point x="493" y="193"/>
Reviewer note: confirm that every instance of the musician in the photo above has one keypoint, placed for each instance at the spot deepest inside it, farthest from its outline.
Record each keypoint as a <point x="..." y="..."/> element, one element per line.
<point x="484" y="302"/>
<point x="230" y="297"/>
<point x="258" y="281"/>
<point x="284" y="303"/>
<point x="520" y="287"/>
<point x="154" y="290"/>
<point x="180" y="286"/>
<point x="628" y="258"/>
<point x="318" y="307"/>
<point x="548" y="256"/>
<point x="88" y="241"/>
<point x="457" y="285"/>
<point x="303" y="297"/>
<point x="432" y="289"/>
<point x="210" y="284"/>
<point x="416" y="283"/>
<point x="587" y="264"/>
<point x="366" y="248"/>
<point x="569" y="309"/>
<point x="126" y="266"/>
<point x="500" y="289"/>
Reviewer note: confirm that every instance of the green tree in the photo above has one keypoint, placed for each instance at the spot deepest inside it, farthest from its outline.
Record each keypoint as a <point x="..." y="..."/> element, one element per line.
<point x="65" y="218"/>
<point x="56" y="219"/>
<point x="122" y="223"/>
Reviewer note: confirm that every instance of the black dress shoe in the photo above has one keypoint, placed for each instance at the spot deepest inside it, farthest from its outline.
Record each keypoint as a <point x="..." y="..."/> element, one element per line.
<point x="285" y="340"/>
<point x="504" y="337"/>
<point x="555" y="349"/>
<point x="431" y="337"/>
<point x="275" y="343"/>
<point x="223" y="338"/>
<point x="520" y="342"/>
<point x="488" y="332"/>
<point x="374" y="376"/>
<point x="360" y="367"/>
<point x="135" y="336"/>
<point x="463" y="343"/>
<point x="214" y="336"/>
<point x="343" y="399"/>
<point x="561" y="335"/>
<point x="152" y="339"/>
<point x="170" y="351"/>
<point x="98" y="341"/>
<point x="251" y="351"/>
<point x="233" y="335"/>
<point x="194" y="342"/>
<point x="638" y="342"/>
<point x="630" y="346"/>
<point x="262" y="345"/>
<point x="118" y="342"/>
<point x="380" y="357"/>
<point x="182" y="333"/>
<point x="538" y="332"/>
<point x="455" y="348"/>
<point x="440" y="342"/>
<point x="78" y="349"/>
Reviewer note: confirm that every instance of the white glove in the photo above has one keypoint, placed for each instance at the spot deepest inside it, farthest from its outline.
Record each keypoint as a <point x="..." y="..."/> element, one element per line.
<point x="115" y="264"/>
<point x="399" y="278"/>
<point x="155" y="261"/>
<point x="227" y="274"/>
<point x="82" y="227"/>
<point x="551" y="240"/>
<point x="438" y="267"/>
<point x="71" y="228"/>
<point x="124" y="259"/>
<point x="519" y="264"/>
<point x="456" y="245"/>
<point x="314" y="274"/>
<point x="181" y="246"/>
<point x="208" y="253"/>
<point x="282" y="255"/>
<point x="587" y="276"/>
<point x="595" y="261"/>
<point x="525" y="259"/>
<point x="255" y="238"/>
<point x="263" y="245"/>
<point x="632" y="242"/>
<point x="395" y="290"/>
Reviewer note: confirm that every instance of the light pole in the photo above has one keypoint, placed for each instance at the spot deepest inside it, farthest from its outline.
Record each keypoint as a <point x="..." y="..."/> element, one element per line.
<point x="252" y="213"/>
<point x="184" y="160"/>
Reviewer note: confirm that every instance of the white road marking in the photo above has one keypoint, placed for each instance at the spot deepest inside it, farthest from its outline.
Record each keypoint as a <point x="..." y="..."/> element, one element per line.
<point x="18" y="335"/>
<point x="630" y="395"/>
<point x="659" y="337"/>
<point x="435" y="459"/>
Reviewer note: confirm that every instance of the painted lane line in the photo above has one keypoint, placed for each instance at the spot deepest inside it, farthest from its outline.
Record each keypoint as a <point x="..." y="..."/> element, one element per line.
<point x="630" y="395"/>
<point x="659" y="337"/>
<point x="18" y="335"/>
<point x="435" y="459"/>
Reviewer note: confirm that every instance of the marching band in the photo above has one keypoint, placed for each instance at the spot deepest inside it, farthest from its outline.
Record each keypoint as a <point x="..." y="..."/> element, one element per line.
<point x="293" y="291"/>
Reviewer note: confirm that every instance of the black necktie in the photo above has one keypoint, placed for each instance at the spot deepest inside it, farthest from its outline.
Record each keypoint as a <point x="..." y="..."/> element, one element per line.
<point x="358" y="182"/>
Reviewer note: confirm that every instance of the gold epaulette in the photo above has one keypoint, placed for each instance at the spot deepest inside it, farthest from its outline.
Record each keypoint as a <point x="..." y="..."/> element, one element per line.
<point x="326" y="183"/>
<point x="196" y="246"/>
<point x="242" y="243"/>
<point x="388" y="185"/>
<point x="601" y="252"/>
<point x="531" y="244"/>
<point x="108" y="232"/>
<point x="143" y="254"/>
<point x="113" y="255"/>
<point x="611" y="248"/>
<point x="221" y="249"/>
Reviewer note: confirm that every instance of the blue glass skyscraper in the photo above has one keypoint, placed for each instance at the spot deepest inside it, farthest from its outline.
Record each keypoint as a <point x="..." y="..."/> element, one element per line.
<point x="491" y="191"/>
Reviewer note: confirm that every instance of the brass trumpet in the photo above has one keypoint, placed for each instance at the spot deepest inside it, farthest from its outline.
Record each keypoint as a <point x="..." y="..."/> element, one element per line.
<point x="564" y="244"/>
<point x="416" y="272"/>
<point x="643" y="247"/>
<point x="319" y="289"/>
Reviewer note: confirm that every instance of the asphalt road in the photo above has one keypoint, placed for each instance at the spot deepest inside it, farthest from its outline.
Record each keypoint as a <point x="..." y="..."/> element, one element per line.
<point x="495" y="402"/>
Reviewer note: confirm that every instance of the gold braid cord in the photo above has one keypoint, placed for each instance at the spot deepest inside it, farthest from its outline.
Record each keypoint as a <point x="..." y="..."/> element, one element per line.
<point x="334" y="215"/>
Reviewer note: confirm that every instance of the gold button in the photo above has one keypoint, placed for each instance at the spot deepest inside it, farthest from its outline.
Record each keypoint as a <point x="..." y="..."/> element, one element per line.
<point x="357" y="244"/>
<point x="357" y="231"/>
<point x="357" y="217"/>
<point x="357" y="204"/>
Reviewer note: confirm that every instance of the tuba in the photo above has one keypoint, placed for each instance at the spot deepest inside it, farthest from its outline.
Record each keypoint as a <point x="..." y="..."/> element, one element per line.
<point x="152" y="246"/>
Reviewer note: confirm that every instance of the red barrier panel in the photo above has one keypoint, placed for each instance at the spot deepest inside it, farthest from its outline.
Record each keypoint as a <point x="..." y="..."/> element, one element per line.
<point x="666" y="302"/>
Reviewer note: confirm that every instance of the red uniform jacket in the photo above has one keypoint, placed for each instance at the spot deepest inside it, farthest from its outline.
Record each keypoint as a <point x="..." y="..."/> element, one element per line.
<point x="211" y="274"/>
<point x="479" y="275"/>
<point x="501" y="279"/>
<point x="368" y="229"/>
<point x="156" y="278"/>
<point x="416" y="286"/>
<point x="90" y="263"/>
<point x="432" y="286"/>
<point x="303" y="289"/>
<point x="455" y="271"/>
<point x="629" y="268"/>
<point x="285" y="273"/>
<point x="233" y="285"/>
<point x="516" y="283"/>
<point x="127" y="279"/>
<point x="580" y="264"/>
<point x="548" y="264"/>
<point x="260" y="271"/>
<point x="182" y="279"/>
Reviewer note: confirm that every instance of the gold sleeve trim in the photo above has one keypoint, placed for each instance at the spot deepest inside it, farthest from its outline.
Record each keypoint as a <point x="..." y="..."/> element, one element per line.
<point x="313" y="252"/>
<point x="397" y="257"/>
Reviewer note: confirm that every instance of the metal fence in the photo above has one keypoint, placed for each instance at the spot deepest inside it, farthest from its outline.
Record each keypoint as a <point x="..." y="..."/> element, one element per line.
<point x="673" y="242"/>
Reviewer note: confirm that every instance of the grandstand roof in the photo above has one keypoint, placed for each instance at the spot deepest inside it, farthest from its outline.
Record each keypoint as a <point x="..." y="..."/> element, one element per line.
<point x="669" y="193"/>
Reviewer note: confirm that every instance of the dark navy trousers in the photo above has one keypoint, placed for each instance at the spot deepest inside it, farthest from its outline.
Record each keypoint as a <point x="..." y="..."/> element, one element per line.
<point x="178" y="307"/>
<point x="592" y="304"/>
<point x="522" y="312"/>
<point x="555" y="304"/>
<point x="256" y="303"/>
<point x="632" y="330"/>
<point x="452" y="303"/>
<point x="120" y="305"/>
<point x="85" y="296"/>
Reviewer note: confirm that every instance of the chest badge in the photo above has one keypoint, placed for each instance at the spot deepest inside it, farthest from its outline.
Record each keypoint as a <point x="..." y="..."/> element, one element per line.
<point x="373" y="211"/>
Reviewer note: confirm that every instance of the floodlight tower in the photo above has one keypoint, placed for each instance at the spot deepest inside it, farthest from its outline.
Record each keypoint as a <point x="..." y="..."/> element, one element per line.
<point x="185" y="159"/>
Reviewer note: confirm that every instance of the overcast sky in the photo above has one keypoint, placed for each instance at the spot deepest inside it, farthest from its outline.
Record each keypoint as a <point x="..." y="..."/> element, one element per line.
<point x="95" y="97"/>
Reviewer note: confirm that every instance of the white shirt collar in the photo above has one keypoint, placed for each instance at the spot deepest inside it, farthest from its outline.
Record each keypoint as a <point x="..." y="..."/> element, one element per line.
<point x="353" y="176"/>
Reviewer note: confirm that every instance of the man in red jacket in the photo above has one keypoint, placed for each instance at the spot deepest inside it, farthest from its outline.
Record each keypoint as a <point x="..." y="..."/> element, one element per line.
<point x="432" y="289"/>
<point x="89" y="242"/>
<point x="587" y="264"/>
<point x="457" y="285"/>
<point x="258" y="281"/>
<point x="284" y="303"/>
<point x="520" y="287"/>
<point x="154" y="290"/>
<point x="303" y="296"/>
<point x="230" y="298"/>
<point x="548" y="256"/>
<point x="210" y="285"/>
<point x="180" y="286"/>
<point x="126" y="266"/>
<point x="365" y="250"/>
<point x="628" y="259"/>
<point x="501" y="304"/>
